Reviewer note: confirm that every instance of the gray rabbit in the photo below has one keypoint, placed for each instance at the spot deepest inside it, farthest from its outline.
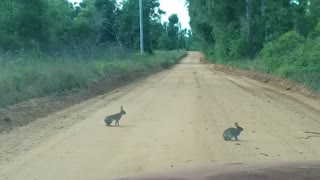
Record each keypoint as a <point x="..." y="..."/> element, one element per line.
<point x="115" y="117"/>
<point x="230" y="133"/>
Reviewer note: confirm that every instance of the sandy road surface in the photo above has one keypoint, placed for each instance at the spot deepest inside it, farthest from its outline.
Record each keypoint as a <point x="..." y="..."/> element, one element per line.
<point x="175" y="119"/>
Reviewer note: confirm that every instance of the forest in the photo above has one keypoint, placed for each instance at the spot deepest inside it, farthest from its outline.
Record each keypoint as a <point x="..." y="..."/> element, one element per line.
<point x="53" y="46"/>
<point x="280" y="37"/>
<point x="58" y="26"/>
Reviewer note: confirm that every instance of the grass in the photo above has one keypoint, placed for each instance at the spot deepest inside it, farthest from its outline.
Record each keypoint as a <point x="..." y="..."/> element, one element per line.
<point x="28" y="76"/>
<point x="308" y="76"/>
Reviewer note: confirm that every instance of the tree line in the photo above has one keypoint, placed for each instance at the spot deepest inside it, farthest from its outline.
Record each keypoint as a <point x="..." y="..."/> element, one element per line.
<point x="233" y="29"/>
<point x="58" y="26"/>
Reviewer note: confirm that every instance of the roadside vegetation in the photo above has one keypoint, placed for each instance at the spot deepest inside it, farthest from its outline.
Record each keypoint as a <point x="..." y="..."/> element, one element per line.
<point x="49" y="47"/>
<point x="38" y="76"/>
<point x="277" y="37"/>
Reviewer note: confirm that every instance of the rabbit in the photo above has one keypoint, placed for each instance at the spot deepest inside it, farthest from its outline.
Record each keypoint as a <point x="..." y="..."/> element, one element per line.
<point x="232" y="133"/>
<point x="115" y="117"/>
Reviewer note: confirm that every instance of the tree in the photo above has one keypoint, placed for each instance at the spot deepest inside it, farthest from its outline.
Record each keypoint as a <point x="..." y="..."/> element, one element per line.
<point x="157" y="31"/>
<point x="8" y="39"/>
<point x="106" y="12"/>
<point x="129" y="28"/>
<point x="172" y="36"/>
<point x="173" y="31"/>
<point x="31" y="21"/>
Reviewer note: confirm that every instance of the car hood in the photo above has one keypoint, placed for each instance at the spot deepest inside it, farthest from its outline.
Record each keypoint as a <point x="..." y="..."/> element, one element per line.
<point x="242" y="171"/>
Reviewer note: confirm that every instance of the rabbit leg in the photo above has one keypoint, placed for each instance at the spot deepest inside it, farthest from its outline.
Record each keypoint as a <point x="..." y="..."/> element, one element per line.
<point x="236" y="138"/>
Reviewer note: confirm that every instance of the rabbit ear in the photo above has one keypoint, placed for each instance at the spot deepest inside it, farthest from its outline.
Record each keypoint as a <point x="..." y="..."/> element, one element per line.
<point x="121" y="108"/>
<point x="236" y="124"/>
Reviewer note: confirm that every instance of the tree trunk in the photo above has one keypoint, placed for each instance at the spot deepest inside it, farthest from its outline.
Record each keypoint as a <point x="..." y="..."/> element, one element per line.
<point x="263" y="8"/>
<point x="263" y="18"/>
<point x="249" y="36"/>
<point x="9" y="8"/>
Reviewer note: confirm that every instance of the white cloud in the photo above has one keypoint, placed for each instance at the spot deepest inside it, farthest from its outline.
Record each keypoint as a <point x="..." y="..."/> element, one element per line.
<point x="171" y="6"/>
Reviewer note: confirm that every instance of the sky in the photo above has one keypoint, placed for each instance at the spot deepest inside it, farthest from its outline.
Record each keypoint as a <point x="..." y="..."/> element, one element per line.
<point x="170" y="7"/>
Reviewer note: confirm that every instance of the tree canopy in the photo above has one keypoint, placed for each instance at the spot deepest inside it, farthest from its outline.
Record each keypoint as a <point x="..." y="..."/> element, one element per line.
<point x="60" y="26"/>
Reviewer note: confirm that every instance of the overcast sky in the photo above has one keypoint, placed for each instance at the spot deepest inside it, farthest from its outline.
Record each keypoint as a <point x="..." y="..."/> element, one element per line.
<point x="171" y="6"/>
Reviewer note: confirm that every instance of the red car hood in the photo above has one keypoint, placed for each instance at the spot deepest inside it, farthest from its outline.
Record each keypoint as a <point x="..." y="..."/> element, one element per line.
<point x="240" y="171"/>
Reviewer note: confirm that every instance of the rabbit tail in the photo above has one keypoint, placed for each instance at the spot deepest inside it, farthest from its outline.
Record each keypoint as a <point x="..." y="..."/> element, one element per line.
<point x="108" y="121"/>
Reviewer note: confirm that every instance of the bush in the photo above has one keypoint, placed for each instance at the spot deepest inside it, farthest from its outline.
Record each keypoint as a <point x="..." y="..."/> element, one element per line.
<point x="293" y="57"/>
<point x="281" y="51"/>
<point x="9" y="42"/>
<point x="290" y="56"/>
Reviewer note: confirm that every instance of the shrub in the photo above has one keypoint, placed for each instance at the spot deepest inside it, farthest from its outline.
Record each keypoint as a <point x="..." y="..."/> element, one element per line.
<point x="290" y="56"/>
<point x="280" y="51"/>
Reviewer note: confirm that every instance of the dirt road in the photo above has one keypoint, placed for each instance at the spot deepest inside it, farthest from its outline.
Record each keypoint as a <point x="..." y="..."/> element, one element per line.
<point x="174" y="120"/>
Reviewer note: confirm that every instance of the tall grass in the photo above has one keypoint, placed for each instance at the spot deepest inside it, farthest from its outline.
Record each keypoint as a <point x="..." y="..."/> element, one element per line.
<point x="27" y="76"/>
